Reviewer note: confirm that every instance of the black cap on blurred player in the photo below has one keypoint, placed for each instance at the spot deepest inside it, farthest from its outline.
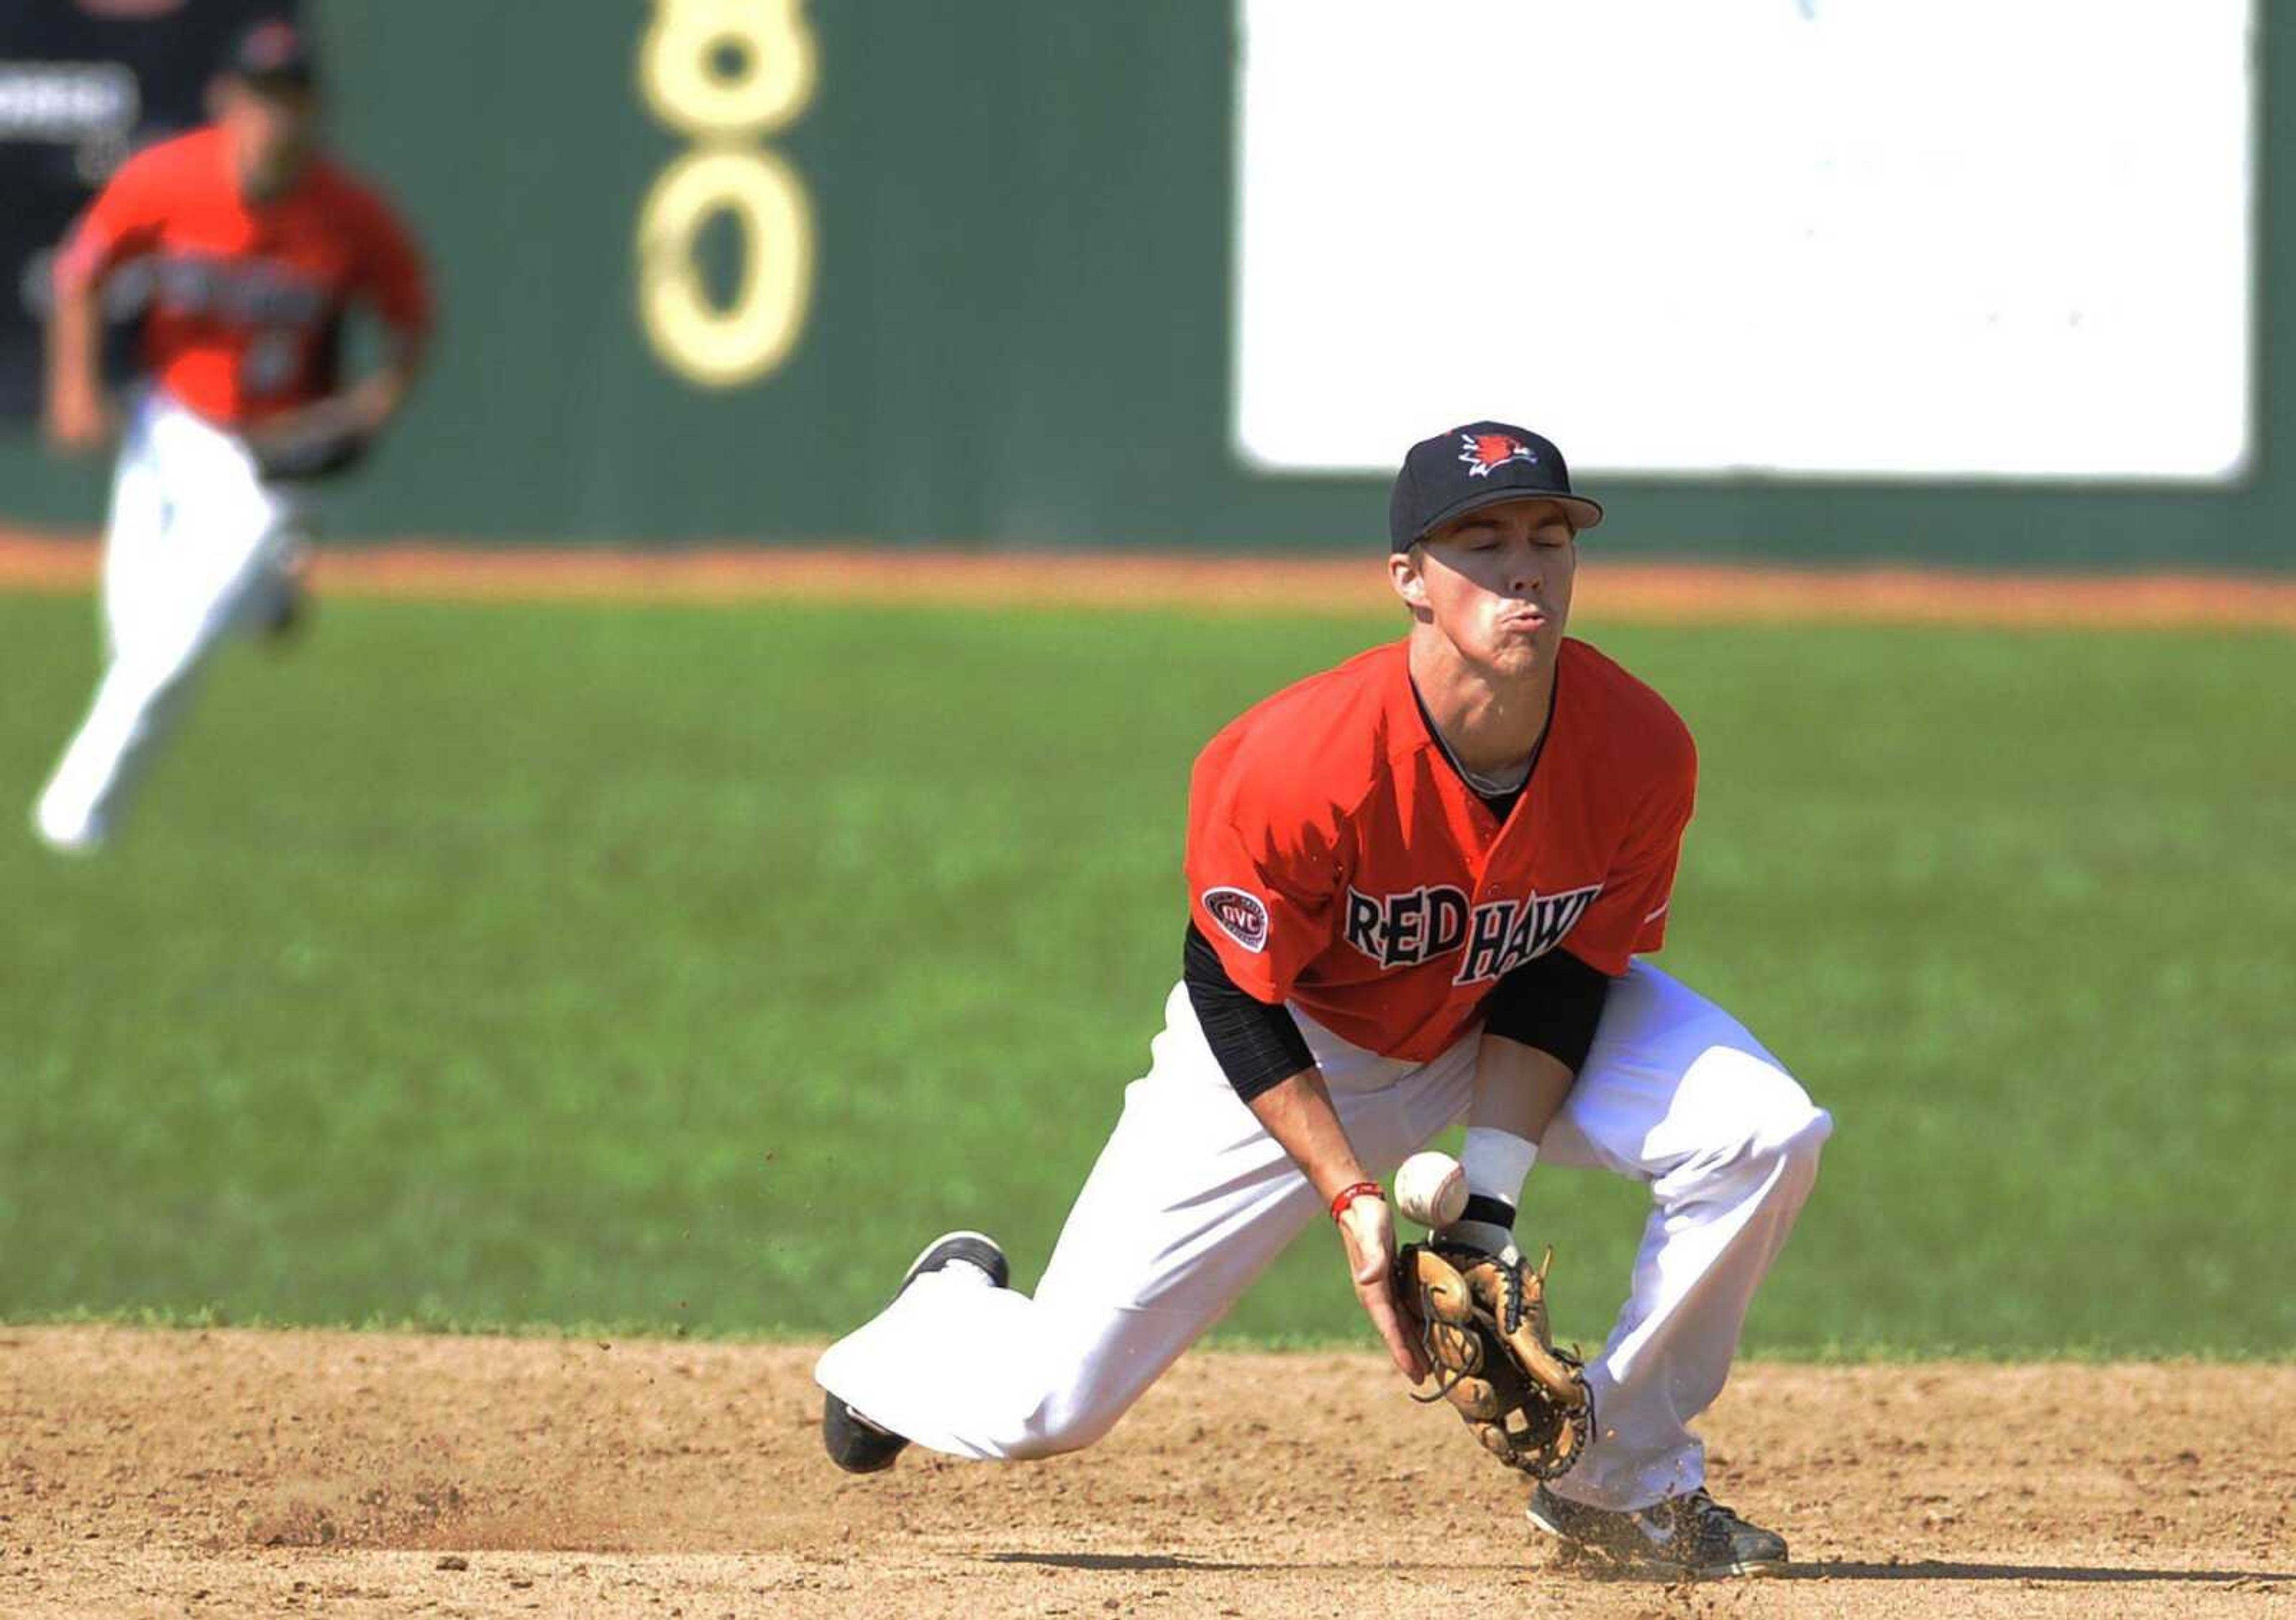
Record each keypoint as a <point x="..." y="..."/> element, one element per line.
<point x="1480" y="464"/>
<point x="272" y="51"/>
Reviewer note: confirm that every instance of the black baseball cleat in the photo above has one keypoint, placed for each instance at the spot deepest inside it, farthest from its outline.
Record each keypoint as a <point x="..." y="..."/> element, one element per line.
<point x="1691" y="1534"/>
<point x="283" y="625"/>
<point x="288" y="614"/>
<point x="853" y="1442"/>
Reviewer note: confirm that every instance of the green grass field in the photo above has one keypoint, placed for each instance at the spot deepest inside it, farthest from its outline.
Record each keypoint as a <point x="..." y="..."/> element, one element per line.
<point x="682" y="968"/>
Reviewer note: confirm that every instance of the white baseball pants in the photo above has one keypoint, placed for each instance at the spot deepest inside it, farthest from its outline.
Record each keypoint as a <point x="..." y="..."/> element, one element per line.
<point x="198" y="547"/>
<point x="1191" y="1199"/>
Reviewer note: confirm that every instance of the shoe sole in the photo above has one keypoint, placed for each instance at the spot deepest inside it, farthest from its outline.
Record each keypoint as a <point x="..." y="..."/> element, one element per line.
<point x="1655" y="1562"/>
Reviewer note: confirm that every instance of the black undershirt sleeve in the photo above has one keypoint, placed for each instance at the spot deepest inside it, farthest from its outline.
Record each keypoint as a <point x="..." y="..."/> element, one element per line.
<point x="1257" y="1045"/>
<point x="1552" y="1003"/>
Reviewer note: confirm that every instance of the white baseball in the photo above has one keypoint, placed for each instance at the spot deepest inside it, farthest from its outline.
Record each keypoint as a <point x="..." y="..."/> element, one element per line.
<point x="1431" y="1188"/>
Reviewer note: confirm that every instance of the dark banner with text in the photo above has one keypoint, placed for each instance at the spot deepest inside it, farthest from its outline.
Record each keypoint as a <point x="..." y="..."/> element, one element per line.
<point x="83" y="83"/>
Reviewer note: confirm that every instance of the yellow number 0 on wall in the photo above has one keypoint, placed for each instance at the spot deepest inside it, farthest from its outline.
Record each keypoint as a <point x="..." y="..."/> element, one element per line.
<point x="727" y="72"/>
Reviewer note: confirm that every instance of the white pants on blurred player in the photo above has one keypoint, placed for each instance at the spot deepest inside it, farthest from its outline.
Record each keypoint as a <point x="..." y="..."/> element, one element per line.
<point x="1191" y="1199"/>
<point x="198" y="548"/>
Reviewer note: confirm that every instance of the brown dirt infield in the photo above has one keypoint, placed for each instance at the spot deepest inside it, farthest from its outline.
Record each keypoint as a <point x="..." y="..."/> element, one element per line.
<point x="1614" y="592"/>
<point x="233" y="1472"/>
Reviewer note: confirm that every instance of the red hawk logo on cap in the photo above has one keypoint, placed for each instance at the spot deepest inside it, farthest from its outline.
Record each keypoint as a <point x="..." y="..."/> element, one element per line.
<point x="1482" y="452"/>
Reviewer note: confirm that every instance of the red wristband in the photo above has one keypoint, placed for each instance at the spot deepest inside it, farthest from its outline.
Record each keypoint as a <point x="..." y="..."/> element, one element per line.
<point x="1349" y="1195"/>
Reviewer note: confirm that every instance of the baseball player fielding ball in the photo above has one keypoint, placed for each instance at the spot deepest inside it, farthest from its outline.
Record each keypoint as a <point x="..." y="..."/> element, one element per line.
<point x="1425" y="888"/>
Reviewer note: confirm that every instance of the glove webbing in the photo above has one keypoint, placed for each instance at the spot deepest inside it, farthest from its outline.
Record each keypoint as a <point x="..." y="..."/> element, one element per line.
<point x="1554" y="1461"/>
<point x="1425" y="1315"/>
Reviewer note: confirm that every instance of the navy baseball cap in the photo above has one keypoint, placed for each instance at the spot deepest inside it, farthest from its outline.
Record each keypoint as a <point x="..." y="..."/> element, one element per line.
<point x="272" y="51"/>
<point x="1480" y="464"/>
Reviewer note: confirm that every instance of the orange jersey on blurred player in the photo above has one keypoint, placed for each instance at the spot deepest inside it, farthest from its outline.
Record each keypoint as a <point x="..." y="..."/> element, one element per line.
<point x="1338" y="861"/>
<point x="248" y="296"/>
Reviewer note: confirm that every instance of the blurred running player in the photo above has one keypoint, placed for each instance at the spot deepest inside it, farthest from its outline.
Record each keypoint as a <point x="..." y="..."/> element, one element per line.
<point x="259" y="243"/>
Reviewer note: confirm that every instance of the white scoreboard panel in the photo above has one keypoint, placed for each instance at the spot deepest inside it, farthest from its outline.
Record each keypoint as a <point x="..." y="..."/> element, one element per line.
<point x="1905" y="239"/>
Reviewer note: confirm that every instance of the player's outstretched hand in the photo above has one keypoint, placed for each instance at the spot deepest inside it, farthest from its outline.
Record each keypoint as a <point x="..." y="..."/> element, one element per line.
<point x="1367" y="1231"/>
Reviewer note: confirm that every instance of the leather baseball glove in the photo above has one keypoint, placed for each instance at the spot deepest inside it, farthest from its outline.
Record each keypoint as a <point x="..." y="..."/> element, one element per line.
<point x="1482" y="1321"/>
<point x="317" y="442"/>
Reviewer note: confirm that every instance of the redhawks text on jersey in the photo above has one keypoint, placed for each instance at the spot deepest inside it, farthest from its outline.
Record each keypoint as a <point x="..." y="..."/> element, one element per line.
<point x="1404" y="930"/>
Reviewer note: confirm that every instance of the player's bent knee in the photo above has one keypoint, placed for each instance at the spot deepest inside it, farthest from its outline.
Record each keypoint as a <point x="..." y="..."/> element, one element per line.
<point x="1077" y="1411"/>
<point x="1798" y="1146"/>
<point x="1053" y="1431"/>
<point x="1760" y="1118"/>
<point x="1786" y="1124"/>
<point x="1778" y="1154"/>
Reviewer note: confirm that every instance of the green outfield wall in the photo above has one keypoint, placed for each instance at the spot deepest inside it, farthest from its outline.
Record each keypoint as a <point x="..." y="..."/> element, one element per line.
<point x="904" y="272"/>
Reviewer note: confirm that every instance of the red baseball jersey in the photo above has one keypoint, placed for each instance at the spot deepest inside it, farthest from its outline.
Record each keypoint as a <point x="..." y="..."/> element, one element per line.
<point x="1338" y="861"/>
<point x="246" y="297"/>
